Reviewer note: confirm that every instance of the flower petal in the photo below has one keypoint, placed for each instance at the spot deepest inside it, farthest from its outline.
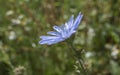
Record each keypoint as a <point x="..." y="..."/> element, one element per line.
<point x="70" y="22"/>
<point x="57" y="28"/>
<point x="77" y="21"/>
<point x="48" y="37"/>
<point x="50" y="41"/>
<point x="54" y="33"/>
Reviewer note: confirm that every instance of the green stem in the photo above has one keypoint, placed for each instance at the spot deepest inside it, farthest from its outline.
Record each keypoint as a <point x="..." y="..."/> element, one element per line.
<point x="77" y="57"/>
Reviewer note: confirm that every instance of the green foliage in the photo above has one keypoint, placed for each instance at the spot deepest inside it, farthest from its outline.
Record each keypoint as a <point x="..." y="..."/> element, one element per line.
<point x="23" y="21"/>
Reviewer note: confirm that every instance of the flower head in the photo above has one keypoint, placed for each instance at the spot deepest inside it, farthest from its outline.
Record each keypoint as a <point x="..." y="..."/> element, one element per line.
<point x="62" y="32"/>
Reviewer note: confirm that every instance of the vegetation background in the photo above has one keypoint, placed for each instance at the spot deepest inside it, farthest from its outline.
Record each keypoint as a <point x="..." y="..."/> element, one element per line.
<point x="23" y="21"/>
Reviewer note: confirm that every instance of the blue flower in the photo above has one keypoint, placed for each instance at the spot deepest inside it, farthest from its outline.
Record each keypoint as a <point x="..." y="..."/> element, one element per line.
<point x="62" y="32"/>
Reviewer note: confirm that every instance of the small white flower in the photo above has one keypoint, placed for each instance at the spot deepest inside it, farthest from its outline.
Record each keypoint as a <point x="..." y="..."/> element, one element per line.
<point x="12" y="35"/>
<point x="16" y="21"/>
<point x="10" y="12"/>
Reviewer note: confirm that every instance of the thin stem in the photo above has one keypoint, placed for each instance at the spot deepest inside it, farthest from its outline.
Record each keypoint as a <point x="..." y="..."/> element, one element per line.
<point x="77" y="57"/>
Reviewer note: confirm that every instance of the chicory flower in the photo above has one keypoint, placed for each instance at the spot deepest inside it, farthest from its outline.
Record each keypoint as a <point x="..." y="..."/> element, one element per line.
<point x="62" y="32"/>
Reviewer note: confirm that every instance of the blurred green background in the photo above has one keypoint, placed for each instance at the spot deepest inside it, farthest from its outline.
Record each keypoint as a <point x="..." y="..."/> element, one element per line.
<point x="23" y="21"/>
